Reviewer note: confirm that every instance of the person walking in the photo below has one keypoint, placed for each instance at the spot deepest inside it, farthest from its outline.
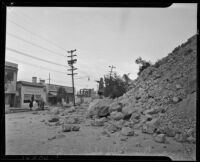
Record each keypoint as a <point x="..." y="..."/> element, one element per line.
<point x="101" y="88"/>
<point x="31" y="102"/>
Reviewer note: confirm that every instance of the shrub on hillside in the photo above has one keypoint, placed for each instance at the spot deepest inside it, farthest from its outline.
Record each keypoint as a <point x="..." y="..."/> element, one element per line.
<point x="115" y="86"/>
<point x="144" y="64"/>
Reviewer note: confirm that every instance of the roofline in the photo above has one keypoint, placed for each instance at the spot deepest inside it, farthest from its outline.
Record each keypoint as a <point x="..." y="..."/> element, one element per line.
<point x="58" y="85"/>
<point x="30" y="84"/>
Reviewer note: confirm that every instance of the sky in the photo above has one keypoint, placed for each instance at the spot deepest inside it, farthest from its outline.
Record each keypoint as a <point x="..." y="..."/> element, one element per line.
<point x="102" y="37"/>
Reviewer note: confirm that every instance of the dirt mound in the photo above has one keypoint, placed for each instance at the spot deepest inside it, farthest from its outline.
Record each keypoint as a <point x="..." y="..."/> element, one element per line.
<point x="164" y="92"/>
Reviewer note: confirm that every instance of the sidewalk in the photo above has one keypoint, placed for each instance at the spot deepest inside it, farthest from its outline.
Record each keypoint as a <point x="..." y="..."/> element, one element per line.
<point x="9" y="110"/>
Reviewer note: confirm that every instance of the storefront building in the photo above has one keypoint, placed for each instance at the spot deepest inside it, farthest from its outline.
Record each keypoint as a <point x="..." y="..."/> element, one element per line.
<point x="10" y="81"/>
<point x="52" y="90"/>
<point x="27" y="89"/>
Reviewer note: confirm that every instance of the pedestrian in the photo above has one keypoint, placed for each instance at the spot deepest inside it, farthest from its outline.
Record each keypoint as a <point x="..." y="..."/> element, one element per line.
<point x="31" y="102"/>
<point x="101" y="88"/>
<point x="31" y="105"/>
<point x="42" y="103"/>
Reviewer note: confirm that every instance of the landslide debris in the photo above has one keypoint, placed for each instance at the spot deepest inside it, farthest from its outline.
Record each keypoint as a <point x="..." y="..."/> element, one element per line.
<point x="161" y="101"/>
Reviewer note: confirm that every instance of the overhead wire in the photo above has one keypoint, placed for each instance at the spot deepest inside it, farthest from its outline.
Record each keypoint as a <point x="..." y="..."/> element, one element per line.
<point x="37" y="58"/>
<point x="17" y="37"/>
<point x="35" y="34"/>
<point x="37" y="66"/>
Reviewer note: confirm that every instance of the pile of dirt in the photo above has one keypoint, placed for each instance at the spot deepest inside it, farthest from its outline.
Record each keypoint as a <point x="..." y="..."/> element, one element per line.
<point x="161" y="101"/>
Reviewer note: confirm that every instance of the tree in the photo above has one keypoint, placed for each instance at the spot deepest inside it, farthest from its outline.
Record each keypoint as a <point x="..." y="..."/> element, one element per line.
<point x="115" y="86"/>
<point x="61" y="93"/>
<point x="144" y="64"/>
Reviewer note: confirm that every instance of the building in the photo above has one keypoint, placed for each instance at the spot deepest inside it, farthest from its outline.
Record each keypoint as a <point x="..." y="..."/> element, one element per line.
<point x="10" y="80"/>
<point x="52" y="90"/>
<point x="86" y="95"/>
<point x="27" y="89"/>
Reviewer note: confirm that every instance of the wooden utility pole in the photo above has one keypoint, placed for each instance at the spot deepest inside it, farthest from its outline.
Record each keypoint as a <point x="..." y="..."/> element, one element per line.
<point x="111" y="70"/>
<point x="49" y="79"/>
<point x="70" y="63"/>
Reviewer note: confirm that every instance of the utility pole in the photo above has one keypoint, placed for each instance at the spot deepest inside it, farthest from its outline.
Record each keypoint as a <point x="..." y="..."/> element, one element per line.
<point x="70" y="63"/>
<point x="49" y="79"/>
<point x="48" y="89"/>
<point x="111" y="70"/>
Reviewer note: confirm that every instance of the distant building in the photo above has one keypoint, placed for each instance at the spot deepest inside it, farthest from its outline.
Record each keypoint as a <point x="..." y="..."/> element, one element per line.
<point x="27" y="89"/>
<point x="86" y="95"/>
<point x="52" y="90"/>
<point x="10" y="80"/>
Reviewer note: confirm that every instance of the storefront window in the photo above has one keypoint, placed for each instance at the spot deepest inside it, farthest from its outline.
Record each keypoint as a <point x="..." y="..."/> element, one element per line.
<point x="27" y="98"/>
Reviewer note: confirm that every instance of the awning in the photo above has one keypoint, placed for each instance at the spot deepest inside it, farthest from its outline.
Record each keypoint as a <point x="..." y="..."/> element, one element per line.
<point x="52" y="94"/>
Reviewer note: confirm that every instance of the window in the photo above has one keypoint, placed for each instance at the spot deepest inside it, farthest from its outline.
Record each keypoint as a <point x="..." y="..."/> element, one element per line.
<point x="37" y="97"/>
<point x="9" y="76"/>
<point x="27" y="98"/>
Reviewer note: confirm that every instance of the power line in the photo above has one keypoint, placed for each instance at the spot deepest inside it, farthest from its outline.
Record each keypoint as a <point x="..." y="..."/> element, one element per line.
<point x="35" y="34"/>
<point x="37" y="58"/>
<point x="37" y="66"/>
<point x="17" y="37"/>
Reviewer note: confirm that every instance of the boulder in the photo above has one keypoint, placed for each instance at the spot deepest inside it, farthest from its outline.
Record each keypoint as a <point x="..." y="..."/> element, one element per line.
<point x="191" y="139"/>
<point x="99" y="122"/>
<point x="135" y="116"/>
<point x="123" y="138"/>
<point x="116" y="115"/>
<point x="130" y="124"/>
<point x="66" y="127"/>
<point x="148" y="129"/>
<point x="54" y="119"/>
<point x="112" y="128"/>
<point x="69" y="110"/>
<point x="104" y="111"/>
<point x="152" y="111"/>
<point x="69" y="127"/>
<point x="120" y="123"/>
<point x="55" y="110"/>
<point x="126" y="131"/>
<point x="115" y="106"/>
<point x="99" y="107"/>
<point x="105" y="133"/>
<point x="75" y="128"/>
<point x="170" y="132"/>
<point x="160" y="138"/>
<point x="175" y="99"/>
<point x="127" y="110"/>
<point x="180" y="137"/>
<point x="178" y="86"/>
<point x="71" y="120"/>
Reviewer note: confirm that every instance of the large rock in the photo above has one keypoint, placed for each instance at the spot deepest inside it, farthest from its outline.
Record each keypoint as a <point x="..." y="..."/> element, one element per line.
<point x="115" y="106"/>
<point x="160" y="138"/>
<point x="128" y="110"/>
<point x="116" y="115"/>
<point x="152" y="111"/>
<point x="170" y="132"/>
<point x="126" y="131"/>
<point x="180" y="137"/>
<point x="191" y="139"/>
<point x="99" y="122"/>
<point x="112" y="128"/>
<point x="99" y="107"/>
<point x="69" y="110"/>
<point x="54" y="119"/>
<point x="150" y="127"/>
<point x="55" y="110"/>
<point x="175" y="99"/>
<point x="70" y="127"/>
<point x="66" y="128"/>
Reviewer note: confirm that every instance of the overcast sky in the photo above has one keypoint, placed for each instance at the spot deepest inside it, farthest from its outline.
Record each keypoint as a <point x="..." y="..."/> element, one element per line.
<point x="101" y="36"/>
